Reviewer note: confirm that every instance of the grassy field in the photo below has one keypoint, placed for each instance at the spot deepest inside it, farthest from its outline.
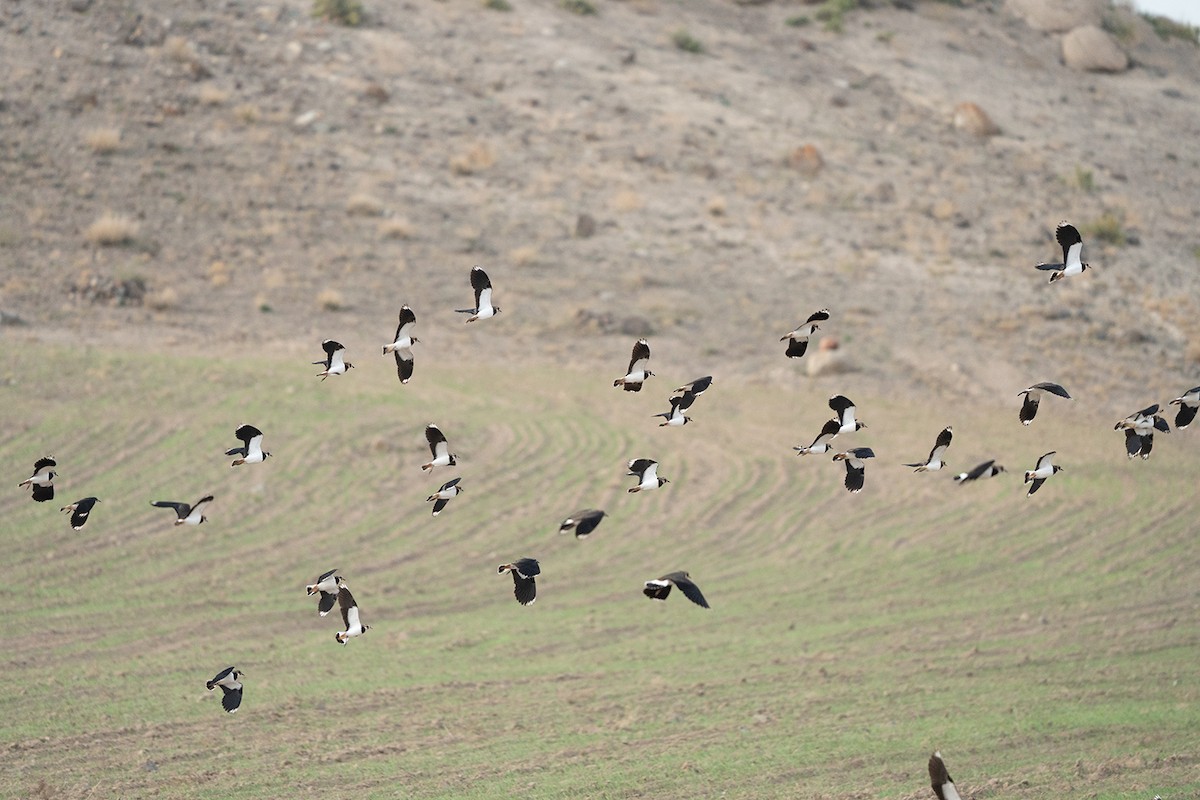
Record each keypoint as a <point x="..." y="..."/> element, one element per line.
<point x="1047" y="645"/>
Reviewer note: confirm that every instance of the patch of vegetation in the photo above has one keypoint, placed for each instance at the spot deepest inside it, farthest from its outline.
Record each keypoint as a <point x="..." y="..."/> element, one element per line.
<point x="581" y="7"/>
<point x="1108" y="228"/>
<point x="686" y="42"/>
<point x="1082" y="179"/>
<point x="833" y="13"/>
<point x="1196" y="252"/>
<point x="1119" y="26"/>
<point x="343" y="12"/>
<point x="497" y="5"/>
<point x="1167" y="28"/>
<point x="798" y="21"/>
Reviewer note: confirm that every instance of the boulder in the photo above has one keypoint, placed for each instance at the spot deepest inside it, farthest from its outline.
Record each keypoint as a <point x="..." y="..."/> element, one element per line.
<point x="1057" y="16"/>
<point x="974" y="120"/>
<point x="1090" y="49"/>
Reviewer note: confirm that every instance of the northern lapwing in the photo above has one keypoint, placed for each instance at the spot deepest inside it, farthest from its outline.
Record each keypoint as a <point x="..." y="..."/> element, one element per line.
<point x="1188" y="404"/>
<point x="42" y="479"/>
<point x="798" y="339"/>
<point x="1072" y="248"/>
<point x="523" y="570"/>
<point x="335" y="359"/>
<point x="647" y="475"/>
<point x="354" y="626"/>
<point x="327" y="585"/>
<point x="482" y="285"/>
<point x="698" y="386"/>
<point x="79" y="511"/>
<point x="988" y="469"/>
<point x="401" y="346"/>
<point x="185" y="514"/>
<point x="449" y="490"/>
<point x="943" y="784"/>
<point x="251" y="451"/>
<point x="582" y="523"/>
<point x="844" y="407"/>
<point x="659" y="588"/>
<point x="442" y="457"/>
<point x="1139" y="430"/>
<point x="856" y="470"/>
<point x="937" y="455"/>
<point x="1038" y="475"/>
<point x="230" y="681"/>
<point x="1033" y="396"/>
<point x="675" y="417"/>
<point x="823" y="442"/>
<point x="638" y="370"/>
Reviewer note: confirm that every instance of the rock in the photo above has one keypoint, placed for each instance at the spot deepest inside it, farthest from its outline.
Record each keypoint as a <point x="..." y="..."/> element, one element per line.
<point x="807" y="160"/>
<point x="585" y="226"/>
<point x="80" y="6"/>
<point x="8" y="318"/>
<point x="828" y="362"/>
<point x="1090" y="49"/>
<point x="972" y="119"/>
<point x="1057" y="16"/>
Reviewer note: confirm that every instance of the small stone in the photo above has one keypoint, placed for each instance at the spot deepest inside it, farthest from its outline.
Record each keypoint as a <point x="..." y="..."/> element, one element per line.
<point x="807" y="160"/>
<point x="828" y="362"/>
<point x="306" y="119"/>
<point x="80" y="6"/>
<point x="585" y="226"/>
<point x="1090" y="49"/>
<point x="972" y="119"/>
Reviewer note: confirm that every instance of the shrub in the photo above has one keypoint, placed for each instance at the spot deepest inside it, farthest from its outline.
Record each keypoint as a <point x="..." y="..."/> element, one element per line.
<point x="103" y="141"/>
<point x="686" y="42"/>
<point x="343" y="12"/>
<point x="111" y="229"/>
<point x="581" y="7"/>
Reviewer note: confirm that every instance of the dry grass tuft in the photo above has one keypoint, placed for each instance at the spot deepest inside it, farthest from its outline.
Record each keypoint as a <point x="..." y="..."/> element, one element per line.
<point x="523" y="256"/>
<point x="163" y="300"/>
<point x="247" y="113"/>
<point x="364" y="205"/>
<point x="103" y="141"/>
<point x="396" y="228"/>
<point x="218" y="273"/>
<point x="476" y="158"/>
<point x="211" y="95"/>
<point x="330" y="300"/>
<point x="177" y="48"/>
<point x="112" y="229"/>
<point x="716" y="206"/>
<point x="627" y="201"/>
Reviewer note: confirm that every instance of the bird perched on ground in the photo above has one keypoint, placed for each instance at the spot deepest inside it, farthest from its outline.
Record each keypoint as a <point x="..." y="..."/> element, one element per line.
<point x="327" y="584"/>
<point x="1188" y="403"/>
<point x="582" y="522"/>
<point x="844" y="407"/>
<point x="482" y="285"/>
<point x="185" y="514"/>
<point x="935" y="461"/>
<point x="401" y="346"/>
<point x="675" y="417"/>
<point x="335" y="359"/>
<point x="523" y="570"/>
<point x="1139" y="430"/>
<point x="1072" y="248"/>
<point x="42" y="479"/>
<point x="698" y="386"/>
<point x="79" y="511"/>
<point x="449" y="490"/>
<point x="354" y="626"/>
<point x="1044" y="469"/>
<point x="647" y="474"/>
<point x="442" y="457"/>
<point x="943" y="784"/>
<point x="798" y="339"/>
<point x="230" y="681"/>
<point x="1033" y="396"/>
<point x="659" y="588"/>
<point x="856" y="470"/>
<point x="823" y="442"/>
<point x="251" y="451"/>
<point x="988" y="469"/>
<point x="638" y="370"/>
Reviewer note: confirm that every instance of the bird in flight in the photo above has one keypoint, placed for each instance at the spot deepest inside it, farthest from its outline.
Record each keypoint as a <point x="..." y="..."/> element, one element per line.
<point x="251" y="451"/>
<point x="401" y="346"/>
<point x="327" y="585"/>
<point x="844" y="407"/>
<point x="679" y="404"/>
<point x="80" y="510"/>
<point x="1139" y="430"/>
<point x="1072" y="248"/>
<point x="856" y="469"/>
<point x="582" y="522"/>
<point x="943" y="785"/>
<point x="482" y="285"/>
<point x="638" y="370"/>
<point x="798" y="339"/>
<point x="1033" y="397"/>
<point x="822" y="444"/>
<point x="659" y="588"/>
<point x="354" y="626"/>
<point x="647" y="475"/>
<point x="185" y="514"/>
<point x="442" y="457"/>
<point x="1038" y="475"/>
<point x="988" y="469"/>
<point x="523" y="570"/>
<point x="935" y="461"/>
<point x="335" y="359"/>
<point x="230" y="681"/>
<point x="450" y="489"/>
<point x="42" y="479"/>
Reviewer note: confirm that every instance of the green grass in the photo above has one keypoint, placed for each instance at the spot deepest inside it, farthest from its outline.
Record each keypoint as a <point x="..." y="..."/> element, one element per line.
<point x="343" y="12"/>
<point x="1167" y="28"/>
<point x="686" y="42"/>
<point x="1109" y="228"/>
<point x="1045" y="645"/>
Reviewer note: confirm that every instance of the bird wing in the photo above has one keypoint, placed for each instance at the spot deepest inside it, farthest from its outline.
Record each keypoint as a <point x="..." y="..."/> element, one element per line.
<point x="330" y="347"/>
<point x="690" y="590"/>
<point x="650" y="474"/>
<point x="829" y="431"/>
<point x="819" y="316"/>
<point x="482" y="285"/>
<point x="587" y="521"/>
<point x="684" y="401"/>
<point x="448" y="484"/>
<point x="1070" y="240"/>
<point x="326" y="602"/>
<point x="641" y="357"/>
<point x="855" y="476"/>
<point x="222" y="675"/>
<point x="1035" y="485"/>
<point x="1049" y="266"/>
<point x="324" y="576"/>
<point x="247" y="432"/>
<point x="524" y="589"/>
<point x="1030" y="406"/>
<point x="231" y="699"/>
<point x="436" y="439"/>
<point x="527" y="567"/>
<point x="840" y="404"/>
<point x="639" y="465"/>
<point x="407" y="318"/>
<point x="404" y="364"/>
<point x="980" y="470"/>
<point x="1133" y="442"/>
<point x="1052" y="388"/>
<point x="1045" y="461"/>
<point x="198" y="506"/>
<point x="348" y="606"/>
<point x="1160" y="424"/>
<point x="82" y="509"/>
<point x="943" y="784"/>
<point x="181" y="509"/>
<point x="43" y="464"/>
<point x="698" y="386"/>
<point x="862" y="452"/>
<point x="796" y="348"/>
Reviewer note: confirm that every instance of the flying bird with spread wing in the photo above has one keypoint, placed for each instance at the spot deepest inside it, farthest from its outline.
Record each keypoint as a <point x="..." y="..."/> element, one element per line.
<point x="185" y="514"/>
<point x="42" y="479"/>
<point x="937" y="455"/>
<point x="659" y="588"/>
<point x="1072" y="249"/>
<point x="639" y="368"/>
<point x="798" y="339"/>
<point x="335" y="359"/>
<point x="482" y="285"/>
<point x="1033" y="398"/>
<point x="251" y="451"/>
<point x="80" y="510"/>
<point x="401" y="346"/>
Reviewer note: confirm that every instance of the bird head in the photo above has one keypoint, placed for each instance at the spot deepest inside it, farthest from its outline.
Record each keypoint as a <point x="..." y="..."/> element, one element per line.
<point x="415" y="340"/>
<point x="1083" y="266"/>
<point x="500" y="570"/>
<point x="495" y="309"/>
<point x="341" y="582"/>
<point x="203" y="519"/>
<point x="266" y="455"/>
<point x="858" y="426"/>
<point x="366" y="628"/>
<point x="840" y="456"/>
<point x="1000" y="469"/>
<point x="661" y="481"/>
<point x="341" y="639"/>
<point x="349" y="365"/>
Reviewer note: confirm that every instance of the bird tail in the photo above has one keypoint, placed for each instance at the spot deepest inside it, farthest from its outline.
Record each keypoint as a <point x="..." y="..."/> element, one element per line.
<point x="1056" y="276"/>
<point x="619" y="382"/>
<point x="464" y="311"/>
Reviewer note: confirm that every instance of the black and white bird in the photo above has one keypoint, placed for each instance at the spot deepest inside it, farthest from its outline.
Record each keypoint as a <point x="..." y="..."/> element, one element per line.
<point x="251" y="451"/>
<point x="230" y="681"/>
<point x="327" y="585"/>
<point x="639" y="368"/>
<point x="943" y="784"/>
<point x="698" y="386"/>
<point x="482" y="285"/>
<point x="679" y="404"/>
<point x="844" y="407"/>
<point x="582" y="522"/>
<point x="1038" y="475"/>
<point x="185" y="514"/>
<point x="1188" y="404"/>
<point x="449" y="490"/>
<point x="1139" y="430"/>
<point x="523" y="570"/>
<point x="1033" y="396"/>
<point x="798" y="339"/>
<point x="442" y="457"/>
<point x="354" y="626"/>
<point x="1072" y="249"/>
<point x="937" y="455"/>
<point x="823" y="442"/>
<point x="647" y="475"/>
<point x="856" y="469"/>
<point x="80" y="510"/>
<point x="401" y="346"/>
<point x="42" y="479"/>
<point x="988" y="469"/>
<point x="659" y="588"/>
<point x="335" y="359"/>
